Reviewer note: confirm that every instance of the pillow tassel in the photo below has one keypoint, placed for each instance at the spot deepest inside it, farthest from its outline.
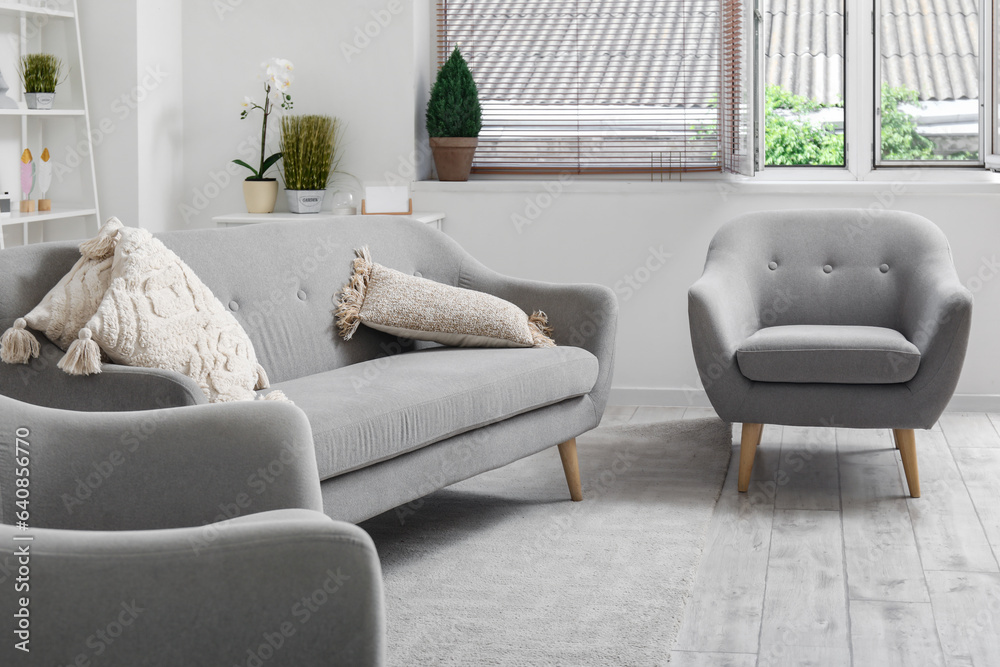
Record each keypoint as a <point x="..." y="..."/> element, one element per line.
<point x="262" y="381"/>
<point x="276" y="395"/>
<point x="18" y="345"/>
<point x="83" y="357"/>
<point x="352" y="296"/>
<point x="541" y="332"/>
<point x="103" y="245"/>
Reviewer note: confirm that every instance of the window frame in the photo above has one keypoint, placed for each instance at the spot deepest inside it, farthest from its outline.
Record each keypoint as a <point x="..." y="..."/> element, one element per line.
<point x="985" y="40"/>
<point x="859" y="128"/>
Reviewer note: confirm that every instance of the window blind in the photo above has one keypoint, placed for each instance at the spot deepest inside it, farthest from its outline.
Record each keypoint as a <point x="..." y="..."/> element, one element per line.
<point x="626" y="86"/>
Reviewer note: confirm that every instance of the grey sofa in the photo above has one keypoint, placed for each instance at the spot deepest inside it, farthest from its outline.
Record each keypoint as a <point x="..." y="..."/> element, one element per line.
<point x="852" y="318"/>
<point x="153" y="538"/>
<point x="392" y="420"/>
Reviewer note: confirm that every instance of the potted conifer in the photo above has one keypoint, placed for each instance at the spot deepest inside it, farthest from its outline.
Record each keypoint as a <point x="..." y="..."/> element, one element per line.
<point x="454" y="118"/>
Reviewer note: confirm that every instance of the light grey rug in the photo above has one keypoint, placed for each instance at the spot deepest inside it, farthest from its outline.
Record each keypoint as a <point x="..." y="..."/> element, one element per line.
<point x="503" y="569"/>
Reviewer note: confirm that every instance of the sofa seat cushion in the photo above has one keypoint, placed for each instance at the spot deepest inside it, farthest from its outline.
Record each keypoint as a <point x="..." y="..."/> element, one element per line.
<point x="378" y="409"/>
<point x="828" y="354"/>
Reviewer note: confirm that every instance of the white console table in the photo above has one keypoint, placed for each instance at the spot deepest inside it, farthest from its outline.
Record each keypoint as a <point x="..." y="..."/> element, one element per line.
<point x="432" y="218"/>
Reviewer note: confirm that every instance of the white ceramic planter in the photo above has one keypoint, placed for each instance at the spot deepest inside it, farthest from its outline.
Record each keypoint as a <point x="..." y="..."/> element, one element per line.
<point x="305" y="201"/>
<point x="39" y="100"/>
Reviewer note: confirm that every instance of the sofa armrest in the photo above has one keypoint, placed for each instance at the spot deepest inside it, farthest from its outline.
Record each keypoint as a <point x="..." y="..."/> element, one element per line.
<point x="290" y="587"/>
<point x="581" y="315"/>
<point x="936" y="316"/>
<point x="722" y="313"/>
<point x="116" y="388"/>
<point x="165" y="468"/>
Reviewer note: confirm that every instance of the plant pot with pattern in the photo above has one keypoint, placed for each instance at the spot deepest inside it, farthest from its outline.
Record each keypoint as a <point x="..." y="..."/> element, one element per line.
<point x="309" y="158"/>
<point x="40" y="73"/>
<point x="454" y="119"/>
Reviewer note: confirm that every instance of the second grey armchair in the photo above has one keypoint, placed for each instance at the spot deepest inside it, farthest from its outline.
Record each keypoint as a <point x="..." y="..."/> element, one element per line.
<point x="186" y="536"/>
<point x="839" y="317"/>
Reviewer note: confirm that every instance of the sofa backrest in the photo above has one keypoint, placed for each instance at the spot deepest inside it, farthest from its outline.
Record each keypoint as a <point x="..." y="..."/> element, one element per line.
<point x="278" y="279"/>
<point x="829" y="266"/>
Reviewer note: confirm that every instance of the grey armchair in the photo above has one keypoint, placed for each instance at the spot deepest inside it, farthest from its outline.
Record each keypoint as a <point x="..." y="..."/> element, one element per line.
<point x="163" y="538"/>
<point x="851" y="318"/>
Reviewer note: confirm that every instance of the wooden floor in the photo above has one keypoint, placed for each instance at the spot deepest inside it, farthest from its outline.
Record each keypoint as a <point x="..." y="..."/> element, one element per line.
<point x="828" y="561"/>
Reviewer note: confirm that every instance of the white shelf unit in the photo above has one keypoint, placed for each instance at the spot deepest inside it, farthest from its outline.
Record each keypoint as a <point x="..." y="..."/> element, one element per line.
<point x="47" y="26"/>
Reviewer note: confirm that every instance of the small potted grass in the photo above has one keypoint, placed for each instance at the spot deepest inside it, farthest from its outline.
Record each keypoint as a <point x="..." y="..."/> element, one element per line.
<point x="40" y="73"/>
<point x="309" y="156"/>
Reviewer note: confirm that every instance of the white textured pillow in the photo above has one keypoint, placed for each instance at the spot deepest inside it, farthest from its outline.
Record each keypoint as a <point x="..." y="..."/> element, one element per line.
<point x="157" y="313"/>
<point x="412" y="307"/>
<point x="68" y="305"/>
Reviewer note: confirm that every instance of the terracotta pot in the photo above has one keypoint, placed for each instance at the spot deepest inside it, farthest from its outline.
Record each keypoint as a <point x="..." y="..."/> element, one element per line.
<point x="453" y="157"/>
<point x="260" y="195"/>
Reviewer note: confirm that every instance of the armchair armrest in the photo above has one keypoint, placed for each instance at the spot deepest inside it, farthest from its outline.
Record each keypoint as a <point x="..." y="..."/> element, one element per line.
<point x="936" y="316"/>
<point x="294" y="586"/>
<point x="721" y="314"/>
<point x="116" y="388"/>
<point x="581" y="315"/>
<point x="159" y="468"/>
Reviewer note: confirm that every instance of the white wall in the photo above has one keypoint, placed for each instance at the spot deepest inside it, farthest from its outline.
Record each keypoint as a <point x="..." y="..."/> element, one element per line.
<point x="108" y="37"/>
<point x="602" y="234"/>
<point x="132" y="57"/>
<point x="591" y="232"/>
<point x="159" y="96"/>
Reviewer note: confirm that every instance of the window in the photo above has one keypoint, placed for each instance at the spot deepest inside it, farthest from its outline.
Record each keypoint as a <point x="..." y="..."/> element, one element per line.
<point x="929" y="82"/>
<point x="625" y="87"/>
<point x="804" y="83"/>
<point x="925" y="84"/>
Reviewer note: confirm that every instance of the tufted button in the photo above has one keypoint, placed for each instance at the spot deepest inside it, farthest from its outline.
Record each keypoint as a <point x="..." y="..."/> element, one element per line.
<point x="417" y="274"/>
<point x="233" y="306"/>
<point x="301" y="294"/>
<point x="884" y="268"/>
<point x="772" y="265"/>
<point x="827" y="269"/>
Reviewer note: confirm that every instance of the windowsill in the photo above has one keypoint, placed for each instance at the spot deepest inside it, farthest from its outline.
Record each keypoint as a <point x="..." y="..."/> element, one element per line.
<point x="916" y="181"/>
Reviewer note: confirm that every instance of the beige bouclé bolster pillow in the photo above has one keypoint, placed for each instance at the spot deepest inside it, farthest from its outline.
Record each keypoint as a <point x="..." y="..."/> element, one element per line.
<point x="413" y="307"/>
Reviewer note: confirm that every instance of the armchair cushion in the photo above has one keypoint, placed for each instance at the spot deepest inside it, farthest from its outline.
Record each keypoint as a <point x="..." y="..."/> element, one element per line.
<point x="396" y="404"/>
<point x="834" y="354"/>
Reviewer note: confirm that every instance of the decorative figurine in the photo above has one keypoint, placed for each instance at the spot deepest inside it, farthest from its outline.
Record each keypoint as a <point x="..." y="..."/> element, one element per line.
<point x="27" y="182"/>
<point x="44" y="181"/>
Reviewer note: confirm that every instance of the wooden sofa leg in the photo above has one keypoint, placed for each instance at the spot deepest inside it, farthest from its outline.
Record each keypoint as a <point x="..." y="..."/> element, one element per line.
<point x="571" y="466"/>
<point x="749" y="440"/>
<point x="906" y="443"/>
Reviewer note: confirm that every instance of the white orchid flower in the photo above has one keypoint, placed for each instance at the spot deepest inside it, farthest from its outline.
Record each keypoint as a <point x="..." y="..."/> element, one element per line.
<point x="247" y="101"/>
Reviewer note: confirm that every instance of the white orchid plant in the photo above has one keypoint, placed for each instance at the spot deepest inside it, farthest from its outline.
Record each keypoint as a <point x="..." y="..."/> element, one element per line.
<point x="277" y="78"/>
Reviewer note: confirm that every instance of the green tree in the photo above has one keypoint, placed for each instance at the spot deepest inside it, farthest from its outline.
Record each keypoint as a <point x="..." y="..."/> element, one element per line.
<point x="791" y="139"/>
<point x="453" y="109"/>
<point x="900" y="140"/>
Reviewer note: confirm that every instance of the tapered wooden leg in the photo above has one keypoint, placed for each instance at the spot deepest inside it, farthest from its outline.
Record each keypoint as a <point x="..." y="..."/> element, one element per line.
<point x="571" y="466"/>
<point x="906" y="443"/>
<point x="749" y="440"/>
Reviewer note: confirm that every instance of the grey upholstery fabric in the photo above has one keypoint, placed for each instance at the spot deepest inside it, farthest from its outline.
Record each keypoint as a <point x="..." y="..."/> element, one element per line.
<point x="395" y="404"/>
<point x="828" y="353"/>
<point x="165" y="468"/>
<point x="183" y="536"/>
<point x="403" y="481"/>
<point x="291" y="586"/>
<point x="886" y="269"/>
<point x="279" y="280"/>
